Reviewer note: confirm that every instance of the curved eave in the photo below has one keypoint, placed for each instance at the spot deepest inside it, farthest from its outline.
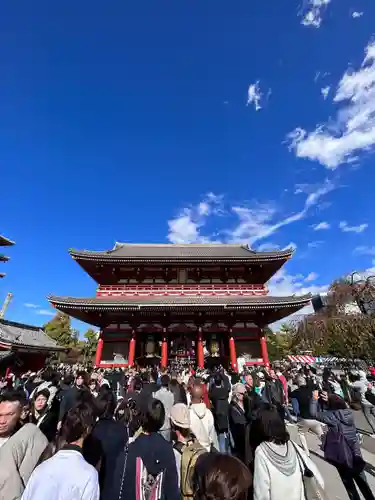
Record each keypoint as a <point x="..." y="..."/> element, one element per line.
<point x="250" y="303"/>
<point x="103" y="257"/>
<point x="2" y="275"/>
<point x="6" y="242"/>
<point x="4" y="258"/>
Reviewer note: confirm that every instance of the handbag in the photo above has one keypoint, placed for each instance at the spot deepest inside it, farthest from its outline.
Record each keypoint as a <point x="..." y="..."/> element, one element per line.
<point x="311" y="487"/>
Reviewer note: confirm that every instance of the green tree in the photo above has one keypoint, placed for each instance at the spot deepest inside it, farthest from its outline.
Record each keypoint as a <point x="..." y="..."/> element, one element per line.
<point x="278" y="344"/>
<point x="90" y="344"/>
<point x="60" y="330"/>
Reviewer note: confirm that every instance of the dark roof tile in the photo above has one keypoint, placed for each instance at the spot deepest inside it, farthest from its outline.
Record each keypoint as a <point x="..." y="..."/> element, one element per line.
<point x="19" y="334"/>
<point x="127" y="251"/>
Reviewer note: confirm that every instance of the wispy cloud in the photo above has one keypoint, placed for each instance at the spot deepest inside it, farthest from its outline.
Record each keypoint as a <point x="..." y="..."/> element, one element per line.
<point x="353" y="130"/>
<point x="315" y="244"/>
<point x="311" y="277"/>
<point x="255" y="96"/>
<point x="252" y="223"/>
<point x="38" y="310"/>
<point x="321" y="226"/>
<point x="356" y="14"/>
<point x="365" y="250"/>
<point x="45" y="312"/>
<point x="345" y="228"/>
<point x="312" y="12"/>
<point x="325" y="91"/>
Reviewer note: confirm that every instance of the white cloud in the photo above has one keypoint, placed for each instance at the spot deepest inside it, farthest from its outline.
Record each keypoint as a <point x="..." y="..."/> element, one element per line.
<point x="365" y="250"/>
<point x="325" y="91"/>
<point x="315" y="244"/>
<point x="45" y="312"/>
<point x="312" y="12"/>
<point x="353" y="130"/>
<point x="31" y="306"/>
<point x="254" y="96"/>
<point x="311" y="277"/>
<point x="356" y="14"/>
<point x="255" y="223"/>
<point x="321" y="226"/>
<point x="345" y="228"/>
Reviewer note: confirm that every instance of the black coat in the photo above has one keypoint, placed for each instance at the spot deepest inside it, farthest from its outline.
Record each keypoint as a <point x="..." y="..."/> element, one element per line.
<point x="71" y="398"/>
<point x="220" y="407"/>
<point x="157" y="455"/>
<point x="47" y="423"/>
<point x="239" y="428"/>
<point x="112" y="437"/>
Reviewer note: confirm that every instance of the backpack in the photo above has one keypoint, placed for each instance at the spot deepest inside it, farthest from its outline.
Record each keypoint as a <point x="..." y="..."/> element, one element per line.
<point x="147" y="486"/>
<point x="337" y="449"/>
<point x="190" y="452"/>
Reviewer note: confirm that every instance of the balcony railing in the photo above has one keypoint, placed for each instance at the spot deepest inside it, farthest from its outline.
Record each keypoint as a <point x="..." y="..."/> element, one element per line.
<point x="176" y="290"/>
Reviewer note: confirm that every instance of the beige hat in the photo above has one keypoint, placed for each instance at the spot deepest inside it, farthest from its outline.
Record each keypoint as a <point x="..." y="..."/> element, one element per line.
<point x="180" y="416"/>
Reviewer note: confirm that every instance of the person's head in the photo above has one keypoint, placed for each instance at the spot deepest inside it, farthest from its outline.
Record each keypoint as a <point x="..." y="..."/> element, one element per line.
<point x="68" y="379"/>
<point x="272" y="374"/>
<point x="300" y="381"/>
<point x="41" y="400"/>
<point x="145" y="377"/>
<point x="249" y="382"/>
<point x="238" y="393"/>
<point x="165" y="381"/>
<point x="154" y="416"/>
<point x="220" y="477"/>
<point x="93" y="385"/>
<point x="180" y="421"/>
<point x="80" y="378"/>
<point x="154" y="376"/>
<point x="11" y="405"/>
<point x="196" y="392"/>
<point x="137" y="384"/>
<point x="335" y="402"/>
<point x="270" y="427"/>
<point x="77" y="424"/>
<point x="105" y="404"/>
<point x="218" y="380"/>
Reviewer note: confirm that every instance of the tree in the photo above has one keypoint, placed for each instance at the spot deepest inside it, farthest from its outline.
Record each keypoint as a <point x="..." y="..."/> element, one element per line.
<point x="337" y="329"/>
<point x="90" y="344"/>
<point x="278" y="344"/>
<point x="60" y="330"/>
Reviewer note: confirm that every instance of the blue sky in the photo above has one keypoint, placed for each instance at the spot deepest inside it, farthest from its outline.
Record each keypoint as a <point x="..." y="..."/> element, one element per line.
<point x="182" y="121"/>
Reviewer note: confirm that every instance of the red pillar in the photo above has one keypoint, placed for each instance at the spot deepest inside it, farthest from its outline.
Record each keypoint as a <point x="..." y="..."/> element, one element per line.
<point x="200" y="353"/>
<point x="232" y="353"/>
<point x="264" y="350"/>
<point x="131" y="356"/>
<point x="164" y="352"/>
<point x="99" y="350"/>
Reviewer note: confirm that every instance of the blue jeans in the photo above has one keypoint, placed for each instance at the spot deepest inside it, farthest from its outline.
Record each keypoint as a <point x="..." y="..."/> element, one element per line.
<point x="223" y="439"/>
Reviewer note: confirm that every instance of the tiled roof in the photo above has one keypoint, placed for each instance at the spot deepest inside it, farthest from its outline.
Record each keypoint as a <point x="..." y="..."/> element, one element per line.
<point x="165" y="252"/>
<point x="5" y="242"/>
<point x="136" y="303"/>
<point x="3" y="258"/>
<point x="21" y="335"/>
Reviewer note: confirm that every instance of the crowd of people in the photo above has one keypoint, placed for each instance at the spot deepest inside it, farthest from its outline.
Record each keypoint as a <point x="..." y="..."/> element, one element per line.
<point x="150" y="434"/>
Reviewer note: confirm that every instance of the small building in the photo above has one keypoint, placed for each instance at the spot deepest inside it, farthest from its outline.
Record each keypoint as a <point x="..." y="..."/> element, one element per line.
<point x="4" y="242"/>
<point x="172" y="303"/>
<point x="24" y="347"/>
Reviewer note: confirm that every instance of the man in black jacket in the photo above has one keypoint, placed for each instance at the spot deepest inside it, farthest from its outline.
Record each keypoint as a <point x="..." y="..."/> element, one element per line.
<point x="219" y="396"/>
<point x="73" y="396"/>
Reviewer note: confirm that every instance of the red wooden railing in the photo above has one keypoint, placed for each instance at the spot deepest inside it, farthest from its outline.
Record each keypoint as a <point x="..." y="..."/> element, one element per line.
<point x="176" y="290"/>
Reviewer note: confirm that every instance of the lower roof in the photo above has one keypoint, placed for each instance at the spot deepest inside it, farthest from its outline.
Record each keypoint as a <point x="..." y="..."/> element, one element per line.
<point x="100" y="310"/>
<point x="23" y="336"/>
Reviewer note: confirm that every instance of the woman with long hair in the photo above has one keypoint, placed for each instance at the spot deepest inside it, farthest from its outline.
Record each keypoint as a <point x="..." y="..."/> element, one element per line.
<point x="279" y="464"/>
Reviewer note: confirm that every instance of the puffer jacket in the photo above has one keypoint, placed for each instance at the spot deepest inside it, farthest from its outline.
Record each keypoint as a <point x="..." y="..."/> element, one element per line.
<point x="343" y="419"/>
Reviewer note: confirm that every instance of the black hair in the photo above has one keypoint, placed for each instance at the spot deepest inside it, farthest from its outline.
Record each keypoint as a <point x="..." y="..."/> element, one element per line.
<point x="42" y="392"/>
<point x="145" y="377"/>
<point x="269" y="426"/>
<point x="81" y="373"/>
<point x="137" y="384"/>
<point x="218" y="476"/>
<point x="154" y="376"/>
<point x="77" y="423"/>
<point x="154" y="416"/>
<point x="68" y="379"/>
<point x="105" y="404"/>
<point x="164" y="380"/>
<point x="335" y="402"/>
<point x="13" y="396"/>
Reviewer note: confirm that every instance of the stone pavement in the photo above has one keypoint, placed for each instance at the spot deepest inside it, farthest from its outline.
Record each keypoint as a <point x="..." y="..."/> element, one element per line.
<point x="333" y="485"/>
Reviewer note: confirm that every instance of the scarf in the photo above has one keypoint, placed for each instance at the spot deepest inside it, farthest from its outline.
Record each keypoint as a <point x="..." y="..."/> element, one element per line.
<point x="287" y="462"/>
